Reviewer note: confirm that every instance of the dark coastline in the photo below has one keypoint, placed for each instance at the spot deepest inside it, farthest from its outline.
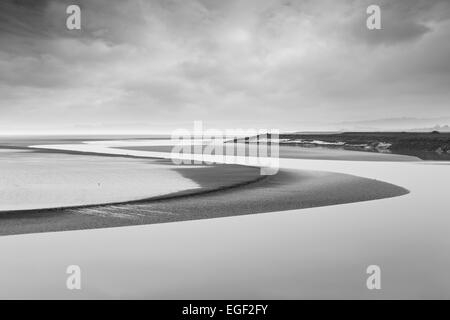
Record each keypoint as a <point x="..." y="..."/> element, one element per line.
<point x="424" y="145"/>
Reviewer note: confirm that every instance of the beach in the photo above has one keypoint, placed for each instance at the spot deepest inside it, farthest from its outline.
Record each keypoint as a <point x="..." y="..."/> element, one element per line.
<point x="309" y="252"/>
<point x="134" y="184"/>
<point x="32" y="180"/>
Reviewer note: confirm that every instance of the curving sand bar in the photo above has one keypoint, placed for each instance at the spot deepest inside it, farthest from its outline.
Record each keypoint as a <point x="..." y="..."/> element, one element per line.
<point x="95" y="185"/>
<point x="34" y="180"/>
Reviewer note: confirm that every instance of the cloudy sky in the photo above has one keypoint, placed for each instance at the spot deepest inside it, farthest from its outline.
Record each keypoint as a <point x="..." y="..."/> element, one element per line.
<point x="157" y="65"/>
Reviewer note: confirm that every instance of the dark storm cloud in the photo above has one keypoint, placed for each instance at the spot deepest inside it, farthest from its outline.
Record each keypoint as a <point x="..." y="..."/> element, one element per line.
<point x="265" y="62"/>
<point x="402" y="20"/>
<point x="28" y="19"/>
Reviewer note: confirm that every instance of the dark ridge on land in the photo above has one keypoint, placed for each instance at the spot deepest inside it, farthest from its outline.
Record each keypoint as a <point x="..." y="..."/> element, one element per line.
<point x="426" y="146"/>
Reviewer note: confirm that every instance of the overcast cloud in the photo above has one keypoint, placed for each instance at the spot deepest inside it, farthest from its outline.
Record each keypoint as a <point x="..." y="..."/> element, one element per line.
<point x="158" y="65"/>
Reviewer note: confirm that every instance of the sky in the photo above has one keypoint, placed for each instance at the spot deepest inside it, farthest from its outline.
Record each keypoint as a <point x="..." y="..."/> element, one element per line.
<point x="158" y="65"/>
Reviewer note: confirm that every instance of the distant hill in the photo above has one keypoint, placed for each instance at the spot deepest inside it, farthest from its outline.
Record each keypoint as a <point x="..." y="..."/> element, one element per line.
<point x="395" y="124"/>
<point x="439" y="128"/>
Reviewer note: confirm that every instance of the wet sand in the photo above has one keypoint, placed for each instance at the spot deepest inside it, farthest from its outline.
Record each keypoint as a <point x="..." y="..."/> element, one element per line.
<point x="320" y="252"/>
<point x="226" y="190"/>
<point x="31" y="180"/>
<point x="216" y="191"/>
